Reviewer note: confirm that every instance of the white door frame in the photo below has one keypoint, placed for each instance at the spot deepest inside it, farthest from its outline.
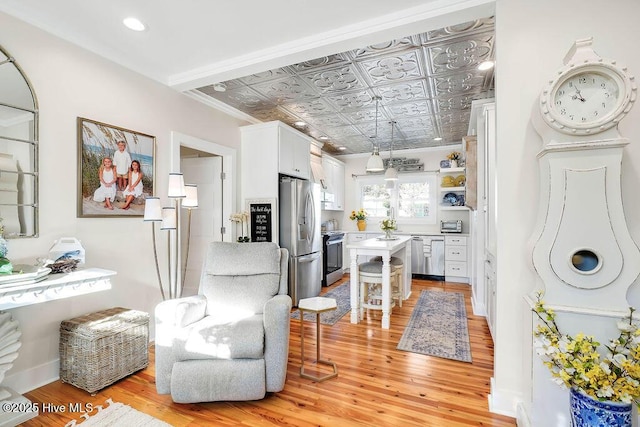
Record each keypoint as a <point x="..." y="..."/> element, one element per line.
<point x="229" y="158"/>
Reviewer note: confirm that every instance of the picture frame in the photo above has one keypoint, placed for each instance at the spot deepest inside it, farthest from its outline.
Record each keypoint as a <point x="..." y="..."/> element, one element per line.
<point x="263" y="219"/>
<point x="97" y="140"/>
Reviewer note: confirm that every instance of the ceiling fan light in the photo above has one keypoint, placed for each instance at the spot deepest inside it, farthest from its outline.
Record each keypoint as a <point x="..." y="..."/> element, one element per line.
<point x="391" y="174"/>
<point x="375" y="163"/>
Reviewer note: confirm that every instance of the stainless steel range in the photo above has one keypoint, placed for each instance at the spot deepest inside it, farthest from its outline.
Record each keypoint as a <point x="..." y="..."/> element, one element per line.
<point x="332" y="257"/>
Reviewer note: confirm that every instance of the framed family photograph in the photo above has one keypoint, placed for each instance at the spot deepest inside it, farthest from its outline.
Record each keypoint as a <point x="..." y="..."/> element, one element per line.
<point x="116" y="170"/>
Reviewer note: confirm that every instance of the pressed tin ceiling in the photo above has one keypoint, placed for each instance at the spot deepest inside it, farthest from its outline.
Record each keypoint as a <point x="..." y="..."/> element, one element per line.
<point x="426" y="83"/>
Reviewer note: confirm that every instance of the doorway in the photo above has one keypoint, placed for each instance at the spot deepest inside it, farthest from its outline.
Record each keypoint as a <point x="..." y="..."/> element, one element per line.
<point x="212" y="167"/>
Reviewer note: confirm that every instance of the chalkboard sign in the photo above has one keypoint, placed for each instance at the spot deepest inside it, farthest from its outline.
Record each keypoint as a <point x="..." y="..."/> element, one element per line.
<point x="262" y="219"/>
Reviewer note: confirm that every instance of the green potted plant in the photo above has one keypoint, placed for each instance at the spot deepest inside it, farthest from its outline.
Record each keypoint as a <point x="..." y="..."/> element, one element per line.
<point x="603" y="386"/>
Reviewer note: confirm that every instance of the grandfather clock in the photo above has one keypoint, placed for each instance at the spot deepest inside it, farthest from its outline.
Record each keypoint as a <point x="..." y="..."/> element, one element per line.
<point x="583" y="251"/>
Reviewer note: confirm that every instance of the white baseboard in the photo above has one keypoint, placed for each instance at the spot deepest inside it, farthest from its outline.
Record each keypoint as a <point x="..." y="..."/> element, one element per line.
<point x="522" y="417"/>
<point x="503" y="402"/>
<point x="478" y="308"/>
<point x="32" y="378"/>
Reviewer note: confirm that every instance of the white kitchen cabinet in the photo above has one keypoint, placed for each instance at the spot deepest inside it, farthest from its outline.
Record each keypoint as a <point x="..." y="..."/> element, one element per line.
<point x="267" y="150"/>
<point x="294" y="153"/>
<point x="456" y="259"/>
<point x="333" y="195"/>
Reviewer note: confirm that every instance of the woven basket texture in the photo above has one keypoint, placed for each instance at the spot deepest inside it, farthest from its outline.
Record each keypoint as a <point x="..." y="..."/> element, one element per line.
<point x="100" y="348"/>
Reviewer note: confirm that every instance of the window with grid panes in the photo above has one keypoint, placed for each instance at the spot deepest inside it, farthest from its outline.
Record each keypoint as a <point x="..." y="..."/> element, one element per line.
<point x="412" y="198"/>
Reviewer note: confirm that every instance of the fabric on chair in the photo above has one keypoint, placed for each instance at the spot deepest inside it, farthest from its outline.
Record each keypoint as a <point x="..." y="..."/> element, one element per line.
<point x="203" y="381"/>
<point x="230" y="342"/>
<point x="374" y="267"/>
<point x="240" y="277"/>
<point x="215" y="338"/>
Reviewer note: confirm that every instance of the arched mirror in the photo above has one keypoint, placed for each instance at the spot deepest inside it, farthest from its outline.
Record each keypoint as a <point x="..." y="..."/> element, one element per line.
<point x="18" y="151"/>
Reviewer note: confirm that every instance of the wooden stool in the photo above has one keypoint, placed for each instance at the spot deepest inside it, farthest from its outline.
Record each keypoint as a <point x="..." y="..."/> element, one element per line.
<point x="315" y="305"/>
<point x="397" y="292"/>
<point x="370" y="277"/>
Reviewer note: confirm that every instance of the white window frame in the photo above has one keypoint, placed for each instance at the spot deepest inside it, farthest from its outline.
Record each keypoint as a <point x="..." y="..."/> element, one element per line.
<point x="429" y="177"/>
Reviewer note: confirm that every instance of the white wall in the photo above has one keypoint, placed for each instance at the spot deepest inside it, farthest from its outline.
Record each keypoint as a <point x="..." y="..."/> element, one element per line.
<point x="532" y="38"/>
<point x="71" y="82"/>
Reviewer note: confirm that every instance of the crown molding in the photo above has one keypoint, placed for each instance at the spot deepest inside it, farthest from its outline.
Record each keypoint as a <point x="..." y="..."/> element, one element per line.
<point x="221" y="106"/>
<point x="433" y="14"/>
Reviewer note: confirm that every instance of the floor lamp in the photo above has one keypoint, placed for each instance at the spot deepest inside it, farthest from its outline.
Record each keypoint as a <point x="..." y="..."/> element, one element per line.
<point x="183" y="196"/>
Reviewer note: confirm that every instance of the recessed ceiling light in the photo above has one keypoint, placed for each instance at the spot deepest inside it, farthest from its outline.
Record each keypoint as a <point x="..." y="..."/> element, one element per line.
<point x="342" y="148"/>
<point x="486" y="65"/>
<point x="134" y="24"/>
<point x="323" y="138"/>
<point x="437" y="138"/>
<point x="299" y="124"/>
<point x="220" y="87"/>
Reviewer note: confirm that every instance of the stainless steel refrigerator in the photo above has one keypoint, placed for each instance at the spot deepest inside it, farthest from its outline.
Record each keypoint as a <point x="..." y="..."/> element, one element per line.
<point x="299" y="208"/>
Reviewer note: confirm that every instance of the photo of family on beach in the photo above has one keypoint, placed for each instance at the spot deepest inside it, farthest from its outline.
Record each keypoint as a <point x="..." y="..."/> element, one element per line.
<point x="116" y="171"/>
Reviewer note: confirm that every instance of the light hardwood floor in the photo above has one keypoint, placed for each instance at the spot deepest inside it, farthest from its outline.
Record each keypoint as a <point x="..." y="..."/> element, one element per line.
<point x="377" y="385"/>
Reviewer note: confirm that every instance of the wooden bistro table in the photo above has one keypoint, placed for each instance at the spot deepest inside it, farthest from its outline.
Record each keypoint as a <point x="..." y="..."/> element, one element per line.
<point x="400" y="247"/>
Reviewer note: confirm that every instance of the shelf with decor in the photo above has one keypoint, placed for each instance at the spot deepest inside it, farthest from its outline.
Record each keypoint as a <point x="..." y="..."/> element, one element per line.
<point x="453" y="189"/>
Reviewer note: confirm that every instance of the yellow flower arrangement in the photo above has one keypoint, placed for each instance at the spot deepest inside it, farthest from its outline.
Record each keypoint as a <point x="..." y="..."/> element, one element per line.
<point x="454" y="156"/>
<point x="576" y="363"/>
<point x="360" y="215"/>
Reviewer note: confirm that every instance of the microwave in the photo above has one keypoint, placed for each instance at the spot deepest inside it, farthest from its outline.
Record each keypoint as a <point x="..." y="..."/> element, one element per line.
<point x="451" y="226"/>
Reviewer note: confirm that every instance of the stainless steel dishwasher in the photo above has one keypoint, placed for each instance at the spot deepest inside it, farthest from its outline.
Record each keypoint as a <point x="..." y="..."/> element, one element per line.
<point x="427" y="256"/>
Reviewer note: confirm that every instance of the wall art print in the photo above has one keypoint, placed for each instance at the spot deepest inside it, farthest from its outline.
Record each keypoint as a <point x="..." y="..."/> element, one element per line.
<point x="116" y="170"/>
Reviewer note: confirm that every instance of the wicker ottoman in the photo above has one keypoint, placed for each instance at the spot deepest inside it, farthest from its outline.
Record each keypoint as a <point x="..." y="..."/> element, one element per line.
<point x="100" y="348"/>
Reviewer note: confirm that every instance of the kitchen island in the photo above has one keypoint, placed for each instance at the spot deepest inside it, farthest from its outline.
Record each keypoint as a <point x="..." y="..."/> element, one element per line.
<point x="400" y="247"/>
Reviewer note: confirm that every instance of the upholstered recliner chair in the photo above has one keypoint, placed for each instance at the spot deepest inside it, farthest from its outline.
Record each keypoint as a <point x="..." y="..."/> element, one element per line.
<point x="231" y="341"/>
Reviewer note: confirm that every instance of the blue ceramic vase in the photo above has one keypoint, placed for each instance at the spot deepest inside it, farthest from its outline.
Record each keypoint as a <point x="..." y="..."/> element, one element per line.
<point x="589" y="412"/>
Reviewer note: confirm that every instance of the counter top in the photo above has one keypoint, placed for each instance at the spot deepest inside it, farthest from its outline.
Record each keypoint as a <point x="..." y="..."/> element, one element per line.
<point x="375" y="243"/>
<point x="407" y="233"/>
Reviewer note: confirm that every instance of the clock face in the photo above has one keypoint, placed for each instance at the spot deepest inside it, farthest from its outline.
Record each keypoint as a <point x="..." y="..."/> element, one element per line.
<point x="586" y="98"/>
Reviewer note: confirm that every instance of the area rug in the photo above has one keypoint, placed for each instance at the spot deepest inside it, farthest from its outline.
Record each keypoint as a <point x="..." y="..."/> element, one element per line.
<point x="341" y="294"/>
<point x="116" y="415"/>
<point x="438" y="327"/>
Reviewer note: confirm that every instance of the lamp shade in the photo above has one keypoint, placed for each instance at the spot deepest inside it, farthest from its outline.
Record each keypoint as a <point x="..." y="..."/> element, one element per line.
<point x="152" y="209"/>
<point x="176" y="186"/>
<point x="391" y="174"/>
<point x="191" y="199"/>
<point x="169" y="219"/>
<point x="375" y="163"/>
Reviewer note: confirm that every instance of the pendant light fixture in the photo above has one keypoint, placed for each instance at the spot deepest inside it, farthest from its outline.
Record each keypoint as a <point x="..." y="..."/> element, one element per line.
<point x="391" y="174"/>
<point x="375" y="163"/>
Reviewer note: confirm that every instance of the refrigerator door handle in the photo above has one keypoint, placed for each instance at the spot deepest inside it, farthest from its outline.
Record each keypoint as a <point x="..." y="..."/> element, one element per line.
<point x="307" y="258"/>
<point x="308" y="212"/>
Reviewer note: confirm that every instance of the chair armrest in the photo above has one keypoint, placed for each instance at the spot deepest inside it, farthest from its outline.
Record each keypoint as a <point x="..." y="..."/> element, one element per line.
<point x="171" y="317"/>
<point x="277" y="313"/>
<point x="181" y="312"/>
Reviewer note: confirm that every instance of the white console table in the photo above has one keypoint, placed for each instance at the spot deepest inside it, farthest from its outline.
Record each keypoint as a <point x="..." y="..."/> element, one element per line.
<point x="55" y="286"/>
